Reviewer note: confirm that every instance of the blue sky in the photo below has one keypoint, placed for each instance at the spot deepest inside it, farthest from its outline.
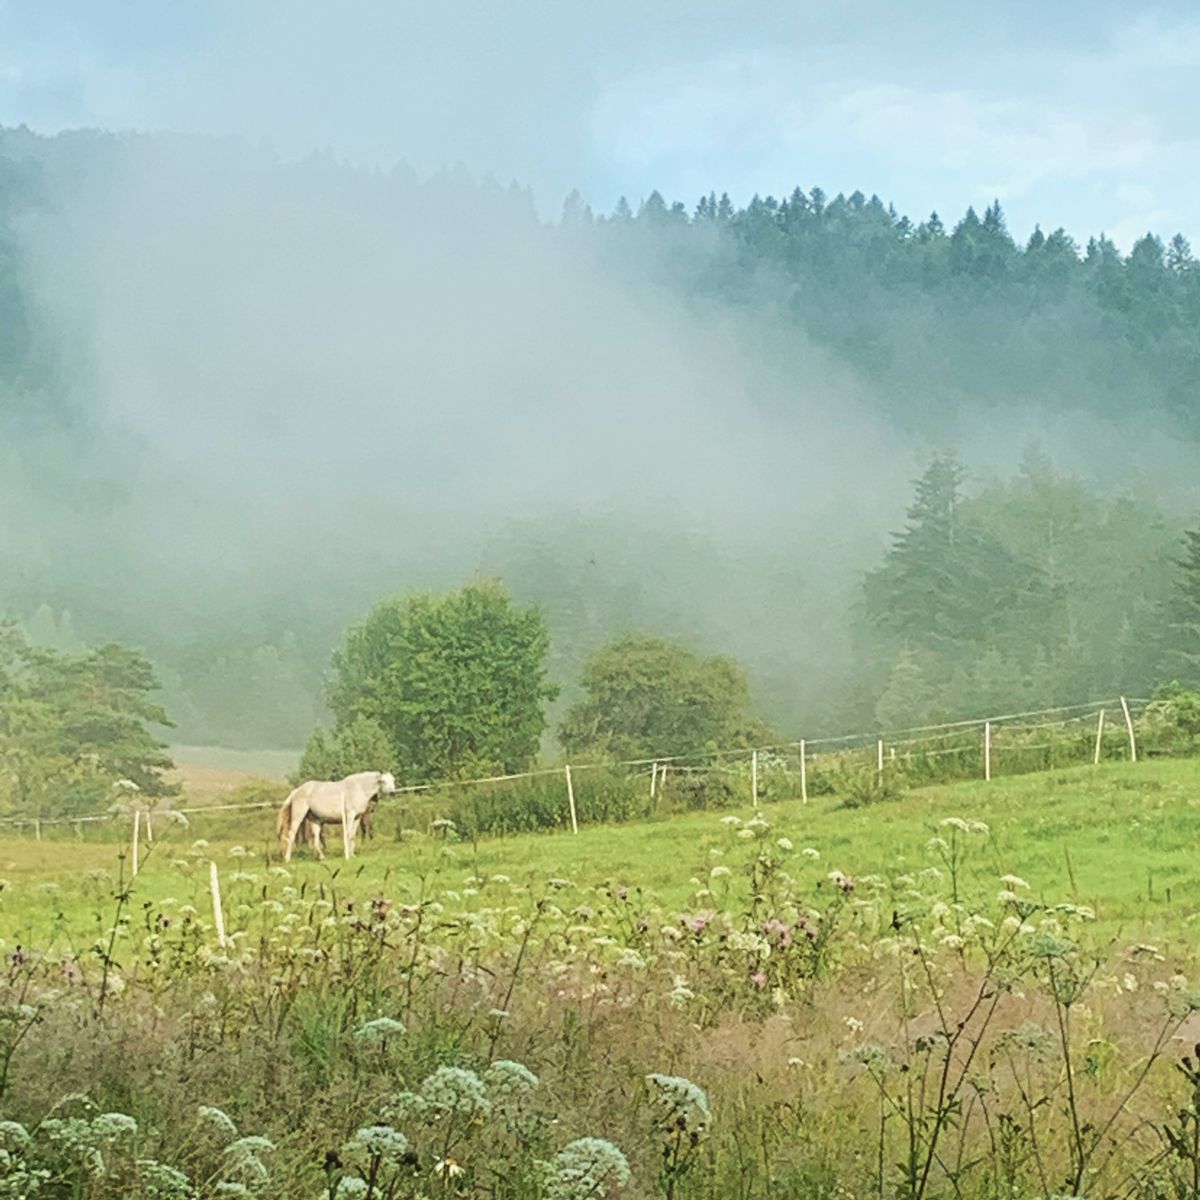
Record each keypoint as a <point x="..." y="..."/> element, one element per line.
<point x="1071" y="113"/>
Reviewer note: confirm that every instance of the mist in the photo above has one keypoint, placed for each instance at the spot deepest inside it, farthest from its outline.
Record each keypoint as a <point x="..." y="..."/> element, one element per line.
<point x="310" y="385"/>
<point x="289" y="384"/>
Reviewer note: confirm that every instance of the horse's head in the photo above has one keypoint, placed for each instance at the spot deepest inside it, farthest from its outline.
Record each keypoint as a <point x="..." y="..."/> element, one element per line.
<point x="387" y="783"/>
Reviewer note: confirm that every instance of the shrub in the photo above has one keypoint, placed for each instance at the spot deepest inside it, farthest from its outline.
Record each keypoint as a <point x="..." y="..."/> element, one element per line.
<point x="1171" y="722"/>
<point x="602" y="795"/>
<point x="860" y="786"/>
<point x="701" y="790"/>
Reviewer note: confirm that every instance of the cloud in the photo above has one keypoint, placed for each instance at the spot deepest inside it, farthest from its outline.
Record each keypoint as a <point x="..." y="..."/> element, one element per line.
<point x="1031" y="127"/>
<point x="1056" y="109"/>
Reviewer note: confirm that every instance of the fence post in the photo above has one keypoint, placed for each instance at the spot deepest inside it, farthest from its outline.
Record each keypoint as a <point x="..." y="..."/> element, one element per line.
<point x="803" y="776"/>
<point x="879" y="756"/>
<point x="653" y="779"/>
<point x="987" y="750"/>
<point x="149" y="830"/>
<point x="137" y="829"/>
<point x="571" y="799"/>
<point x="754" y="777"/>
<point x="214" y="886"/>
<point x="1099" y="736"/>
<point x="37" y="828"/>
<point x="1129" y="727"/>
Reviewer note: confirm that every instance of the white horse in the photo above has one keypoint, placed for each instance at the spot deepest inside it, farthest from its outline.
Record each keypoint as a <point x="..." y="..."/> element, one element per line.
<point x="338" y="802"/>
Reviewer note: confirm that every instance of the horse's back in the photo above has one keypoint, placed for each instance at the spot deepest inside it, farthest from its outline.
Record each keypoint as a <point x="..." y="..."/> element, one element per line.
<point x="326" y="799"/>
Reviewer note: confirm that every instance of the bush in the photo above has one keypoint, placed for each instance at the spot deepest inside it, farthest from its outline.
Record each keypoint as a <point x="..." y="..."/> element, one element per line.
<point x="602" y="796"/>
<point x="699" y="791"/>
<point x="860" y="786"/>
<point x="1171" y="722"/>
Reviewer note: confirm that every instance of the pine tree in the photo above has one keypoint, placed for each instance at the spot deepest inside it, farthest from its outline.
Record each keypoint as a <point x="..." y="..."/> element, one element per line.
<point x="908" y="698"/>
<point x="949" y="587"/>
<point x="931" y="230"/>
<point x="1180" y="655"/>
<point x="576" y="211"/>
<point x="1179" y="255"/>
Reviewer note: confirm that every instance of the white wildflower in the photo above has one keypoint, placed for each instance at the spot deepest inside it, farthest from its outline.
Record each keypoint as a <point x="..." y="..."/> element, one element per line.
<point x="379" y="1141"/>
<point x="113" y="1127"/>
<point x="379" y="1030"/>
<point x="455" y="1089"/>
<point x="683" y="1104"/>
<point x="586" y="1168"/>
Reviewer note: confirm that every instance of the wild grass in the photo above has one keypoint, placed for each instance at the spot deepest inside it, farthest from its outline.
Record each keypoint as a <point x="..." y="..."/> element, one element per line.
<point x="976" y="991"/>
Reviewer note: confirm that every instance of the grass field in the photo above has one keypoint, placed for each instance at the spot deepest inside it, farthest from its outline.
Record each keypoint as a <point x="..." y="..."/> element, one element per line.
<point x="1122" y="839"/>
<point x="973" y="992"/>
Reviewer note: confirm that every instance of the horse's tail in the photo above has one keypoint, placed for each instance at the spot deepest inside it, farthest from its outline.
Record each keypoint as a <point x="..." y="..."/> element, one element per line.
<point x="284" y="819"/>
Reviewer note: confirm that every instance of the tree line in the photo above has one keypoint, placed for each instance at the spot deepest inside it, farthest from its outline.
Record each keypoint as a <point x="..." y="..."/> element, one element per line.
<point x="1025" y="593"/>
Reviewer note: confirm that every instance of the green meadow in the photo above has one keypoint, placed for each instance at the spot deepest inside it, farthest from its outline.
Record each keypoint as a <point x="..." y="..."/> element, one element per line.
<point x="1121" y="838"/>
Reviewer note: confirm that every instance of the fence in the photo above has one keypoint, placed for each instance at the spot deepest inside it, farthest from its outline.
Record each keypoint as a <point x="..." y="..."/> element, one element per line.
<point x="982" y="748"/>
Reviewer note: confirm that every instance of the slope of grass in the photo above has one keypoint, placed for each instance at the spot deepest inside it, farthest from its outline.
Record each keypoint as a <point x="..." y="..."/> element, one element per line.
<point x="1120" y="838"/>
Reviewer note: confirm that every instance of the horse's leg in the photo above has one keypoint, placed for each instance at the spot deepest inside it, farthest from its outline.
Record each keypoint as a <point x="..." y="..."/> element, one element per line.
<point x="299" y="816"/>
<point x="316" y="839"/>
<point x="290" y="837"/>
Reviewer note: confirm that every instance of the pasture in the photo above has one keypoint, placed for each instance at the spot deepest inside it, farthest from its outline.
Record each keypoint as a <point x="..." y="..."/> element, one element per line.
<point x="977" y="990"/>
<point x="1120" y="838"/>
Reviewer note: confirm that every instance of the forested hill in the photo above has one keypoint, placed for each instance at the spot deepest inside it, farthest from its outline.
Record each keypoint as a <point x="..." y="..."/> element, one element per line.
<point x="943" y="316"/>
<point x="948" y="317"/>
<point x="240" y="399"/>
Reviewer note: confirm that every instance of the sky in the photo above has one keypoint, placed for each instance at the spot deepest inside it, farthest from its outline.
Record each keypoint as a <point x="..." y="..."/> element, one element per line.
<point x="1070" y="113"/>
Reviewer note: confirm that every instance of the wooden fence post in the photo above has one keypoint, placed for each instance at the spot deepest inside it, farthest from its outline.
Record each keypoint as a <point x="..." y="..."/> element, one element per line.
<point x="803" y="776"/>
<point x="1129" y="727"/>
<point x="137" y="829"/>
<point x="214" y="886"/>
<point x="571" y="800"/>
<point x="1099" y="737"/>
<point x="37" y="828"/>
<point x="879" y="756"/>
<point x="987" y="750"/>
<point x="754" y="777"/>
<point x="653" y="779"/>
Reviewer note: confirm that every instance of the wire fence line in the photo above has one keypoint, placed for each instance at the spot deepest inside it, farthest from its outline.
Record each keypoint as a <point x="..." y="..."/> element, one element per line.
<point x="734" y="761"/>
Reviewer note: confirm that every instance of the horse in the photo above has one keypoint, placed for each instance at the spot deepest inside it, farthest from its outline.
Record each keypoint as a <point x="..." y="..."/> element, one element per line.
<point x="341" y="801"/>
<point x="312" y="830"/>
